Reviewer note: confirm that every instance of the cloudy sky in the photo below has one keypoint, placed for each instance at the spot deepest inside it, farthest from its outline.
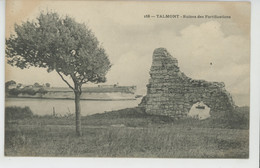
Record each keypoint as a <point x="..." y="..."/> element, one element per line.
<point x="130" y="39"/>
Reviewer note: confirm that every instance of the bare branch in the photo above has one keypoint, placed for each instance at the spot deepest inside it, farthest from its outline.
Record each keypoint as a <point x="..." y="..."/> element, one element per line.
<point x="83" y="81"/>
<point x="65" y="80"/>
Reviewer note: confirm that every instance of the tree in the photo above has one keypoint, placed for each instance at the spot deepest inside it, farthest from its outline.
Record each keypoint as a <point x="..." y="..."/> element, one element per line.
<point x="60" y="44"/>
<point x="48" y="85"/>
<point x="19" y="85"/>
<point x="36" y="84"/>
<point x="9" y="83"/>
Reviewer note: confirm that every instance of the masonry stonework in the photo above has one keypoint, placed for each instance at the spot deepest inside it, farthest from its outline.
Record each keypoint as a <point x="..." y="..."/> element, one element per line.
<point x="170" y="92"/>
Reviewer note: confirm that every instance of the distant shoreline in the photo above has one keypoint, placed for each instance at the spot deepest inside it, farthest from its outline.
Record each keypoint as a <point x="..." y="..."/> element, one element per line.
<point x="123" y="99"/>
<point x="100" y="93"/>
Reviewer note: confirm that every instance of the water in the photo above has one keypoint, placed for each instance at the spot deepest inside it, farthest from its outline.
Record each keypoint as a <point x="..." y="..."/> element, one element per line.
<point x="63" y="107"/>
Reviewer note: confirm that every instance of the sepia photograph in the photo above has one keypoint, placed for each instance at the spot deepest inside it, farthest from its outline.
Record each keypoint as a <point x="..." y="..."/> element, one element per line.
<point x="127" y="79"/>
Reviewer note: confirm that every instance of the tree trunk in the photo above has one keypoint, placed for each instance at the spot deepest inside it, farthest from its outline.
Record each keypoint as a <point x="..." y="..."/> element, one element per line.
<point x="78" y="116"/>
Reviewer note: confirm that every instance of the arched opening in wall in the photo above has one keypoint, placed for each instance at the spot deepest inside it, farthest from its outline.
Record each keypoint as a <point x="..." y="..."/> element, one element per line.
<point x="199" y="111"/>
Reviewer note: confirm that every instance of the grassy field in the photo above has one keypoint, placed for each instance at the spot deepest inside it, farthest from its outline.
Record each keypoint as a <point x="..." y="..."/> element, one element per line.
<point x="127" y="133"/>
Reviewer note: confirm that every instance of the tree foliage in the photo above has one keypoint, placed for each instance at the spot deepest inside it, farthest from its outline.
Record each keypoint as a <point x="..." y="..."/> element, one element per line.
<point x="36" y="84"/>
<point x="9" y="83"/>
<point x="60" y="44"/>
<point x="48" y="85"/>
<point x="19" y="85"/>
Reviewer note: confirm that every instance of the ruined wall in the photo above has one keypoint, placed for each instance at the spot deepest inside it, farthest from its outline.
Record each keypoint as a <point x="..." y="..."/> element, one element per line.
<point x="170" y="92"/>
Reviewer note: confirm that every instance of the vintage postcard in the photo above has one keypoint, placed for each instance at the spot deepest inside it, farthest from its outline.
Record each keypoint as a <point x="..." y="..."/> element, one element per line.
<point x="127" y="79"/>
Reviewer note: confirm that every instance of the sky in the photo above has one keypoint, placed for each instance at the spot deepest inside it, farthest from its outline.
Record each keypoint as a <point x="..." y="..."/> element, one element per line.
<point x="130" y="39"/>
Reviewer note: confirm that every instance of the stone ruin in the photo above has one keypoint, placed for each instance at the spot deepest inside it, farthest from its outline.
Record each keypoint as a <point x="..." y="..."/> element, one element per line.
<point x="171" y="93"/>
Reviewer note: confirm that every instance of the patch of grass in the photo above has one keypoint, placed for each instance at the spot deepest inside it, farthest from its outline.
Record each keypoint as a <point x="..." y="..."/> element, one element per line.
<point x="132" y="117"/>
<point x="168" y="141"/>
<point x="136" y="117"/>
<point x="128" y="133"/>
<point x="26" y="90"/>
<point x="15" y="113"/>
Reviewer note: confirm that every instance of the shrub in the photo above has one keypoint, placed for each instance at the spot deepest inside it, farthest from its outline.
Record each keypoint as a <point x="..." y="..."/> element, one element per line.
<point x="26" y="90"/>
<point x="42" y="91"/>
<point x="14" y="113"/>
<point x="29" y="91"/>
<point x="236" y="119"/>
<point x="14" y="92"/>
